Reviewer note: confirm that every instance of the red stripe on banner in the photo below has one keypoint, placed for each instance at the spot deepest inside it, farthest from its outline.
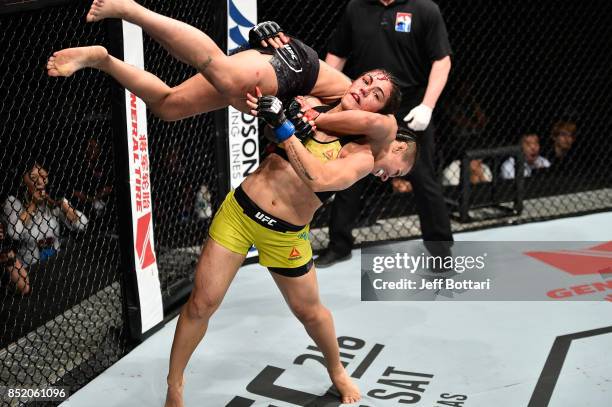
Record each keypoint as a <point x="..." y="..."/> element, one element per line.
<point x="143" y="241"/>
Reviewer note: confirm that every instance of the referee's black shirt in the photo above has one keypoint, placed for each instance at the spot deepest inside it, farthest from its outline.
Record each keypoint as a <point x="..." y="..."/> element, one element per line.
<point x="404" y="38"/>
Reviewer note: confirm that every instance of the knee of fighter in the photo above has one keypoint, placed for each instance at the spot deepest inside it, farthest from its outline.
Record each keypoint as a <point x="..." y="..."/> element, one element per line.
<point x="202" y="306"/>
<point x="233" y="87"/>
<point x="309" y="314"/>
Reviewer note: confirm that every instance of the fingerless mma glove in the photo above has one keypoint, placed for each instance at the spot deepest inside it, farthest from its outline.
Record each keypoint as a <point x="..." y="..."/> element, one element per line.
<point x="303" y="130"/>
<point x="270" y="109"/>
<point x="262" y="32"/>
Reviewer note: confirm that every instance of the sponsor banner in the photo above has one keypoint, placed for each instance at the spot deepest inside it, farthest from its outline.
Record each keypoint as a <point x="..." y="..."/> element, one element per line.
<point x="243" y="132"/>
<point x="149" y="293"/>
<point x="494" y="271"/>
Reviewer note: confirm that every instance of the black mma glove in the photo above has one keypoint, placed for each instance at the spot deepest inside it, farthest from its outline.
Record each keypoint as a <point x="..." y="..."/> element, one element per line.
<point x="270" y="109"/>
<point x="262" y="32"/>
<point x="303" y="130"/>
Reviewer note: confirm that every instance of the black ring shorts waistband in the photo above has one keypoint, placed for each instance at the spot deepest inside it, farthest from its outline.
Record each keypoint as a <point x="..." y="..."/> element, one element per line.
<point x="262" y="217"/>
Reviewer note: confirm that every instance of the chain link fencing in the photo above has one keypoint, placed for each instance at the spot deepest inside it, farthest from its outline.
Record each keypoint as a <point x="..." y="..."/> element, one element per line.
<point x="525" y="74"/>
<point x="60" y="301"/>
<point x="519" y="68"/>
<point x="184" y="178"/>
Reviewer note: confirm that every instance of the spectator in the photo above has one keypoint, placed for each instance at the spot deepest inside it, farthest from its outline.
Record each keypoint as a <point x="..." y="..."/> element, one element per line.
<point x="479" y="172"/>
<point x="408" y="39"/>
<point x="12" y="266"/>
<point x="35" y="222"/>
<point x="563" y="137"/>
<point x="93" y="188"/>
<point x="530" y="144"/>
<point x="203" y="203"/>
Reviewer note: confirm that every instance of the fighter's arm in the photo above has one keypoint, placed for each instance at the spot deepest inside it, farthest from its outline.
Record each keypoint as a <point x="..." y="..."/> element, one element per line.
<point x="334" y="175"/>
<point x="438" y="77"/>
<point x="335" y="61"/>
<point x="374" y="126"/>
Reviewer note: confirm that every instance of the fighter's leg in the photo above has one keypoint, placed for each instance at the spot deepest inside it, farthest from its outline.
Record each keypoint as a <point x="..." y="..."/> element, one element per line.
<point x="215" y="271"/>
<point x="195" y="95"/>
<point x="195" y="48"/>
<point x="302" y="296"/>
<point x="331" y="84"/>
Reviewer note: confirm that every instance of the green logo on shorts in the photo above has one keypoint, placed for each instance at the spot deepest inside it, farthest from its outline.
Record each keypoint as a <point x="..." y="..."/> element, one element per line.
<point x="304" y="236"/>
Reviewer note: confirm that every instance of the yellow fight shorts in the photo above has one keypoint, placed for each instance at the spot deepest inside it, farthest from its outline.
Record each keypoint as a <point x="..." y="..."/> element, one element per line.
<point x="283" y="248"/>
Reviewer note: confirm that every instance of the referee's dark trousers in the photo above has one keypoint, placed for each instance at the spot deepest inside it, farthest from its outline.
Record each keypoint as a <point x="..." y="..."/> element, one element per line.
<point x="431" y="208"/>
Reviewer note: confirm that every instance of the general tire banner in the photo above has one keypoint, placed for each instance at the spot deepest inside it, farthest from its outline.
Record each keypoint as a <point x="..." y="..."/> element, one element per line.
<point x="147" y="276"/>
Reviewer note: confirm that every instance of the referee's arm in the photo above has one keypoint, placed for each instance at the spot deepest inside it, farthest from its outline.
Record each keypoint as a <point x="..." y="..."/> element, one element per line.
<point x="437" y="81"/>
<point x="335" y="61"/>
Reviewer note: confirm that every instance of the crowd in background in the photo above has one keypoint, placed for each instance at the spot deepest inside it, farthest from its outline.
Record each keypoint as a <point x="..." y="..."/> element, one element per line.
<point x="46" y="208"/>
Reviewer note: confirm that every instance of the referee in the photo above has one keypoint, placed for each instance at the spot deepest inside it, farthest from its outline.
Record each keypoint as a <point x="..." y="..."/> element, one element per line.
<point x="409" y="39"/>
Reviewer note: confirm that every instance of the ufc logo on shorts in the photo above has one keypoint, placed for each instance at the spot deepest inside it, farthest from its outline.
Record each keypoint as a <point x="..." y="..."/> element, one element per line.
<point x="265" y="219"/>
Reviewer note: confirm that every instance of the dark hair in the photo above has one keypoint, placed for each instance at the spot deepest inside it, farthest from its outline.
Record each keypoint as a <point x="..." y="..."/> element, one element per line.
<point x="405" y="135"/>
<point x="395" y="97"/>
<point x="568" y="126"/>
<point x="525" y="135"/>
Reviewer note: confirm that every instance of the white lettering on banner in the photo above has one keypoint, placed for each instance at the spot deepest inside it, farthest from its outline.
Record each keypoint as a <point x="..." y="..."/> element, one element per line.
<point x="243" y="143"/>
<point x="243" y="131"/>
<point x="243" y="146"/>
<point x="147" y="275"/>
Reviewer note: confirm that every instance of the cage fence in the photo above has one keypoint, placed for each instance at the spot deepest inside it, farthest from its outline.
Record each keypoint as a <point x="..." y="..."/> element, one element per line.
<point x="518" y="71"/>
<point x="520" y="77"/>
<point x="184" y="178"/>
<point x="60" y="301"/>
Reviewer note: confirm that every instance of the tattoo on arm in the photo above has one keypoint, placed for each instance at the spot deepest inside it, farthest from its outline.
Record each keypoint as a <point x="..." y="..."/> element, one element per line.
<point x="291" y="151"/>
<point x="206" y="63"/>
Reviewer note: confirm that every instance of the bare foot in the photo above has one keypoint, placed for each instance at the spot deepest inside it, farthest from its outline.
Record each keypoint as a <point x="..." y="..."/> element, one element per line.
<point x="101" y="9"/>
<point x="174" y="396"/>
<point x="69" y="60"/>
<point x="349" y="392"/>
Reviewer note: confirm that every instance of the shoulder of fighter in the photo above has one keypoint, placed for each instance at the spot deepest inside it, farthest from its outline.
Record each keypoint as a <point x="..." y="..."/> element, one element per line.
<point x="354" y="146"/>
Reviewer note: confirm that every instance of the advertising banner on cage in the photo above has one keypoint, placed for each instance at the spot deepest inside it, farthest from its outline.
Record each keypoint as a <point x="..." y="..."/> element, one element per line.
<point x="149" y="293"/>
<point x="243" y="133"/>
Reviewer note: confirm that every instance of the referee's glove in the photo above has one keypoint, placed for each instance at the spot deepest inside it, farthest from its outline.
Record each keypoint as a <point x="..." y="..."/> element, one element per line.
<point x="418" y="119"/>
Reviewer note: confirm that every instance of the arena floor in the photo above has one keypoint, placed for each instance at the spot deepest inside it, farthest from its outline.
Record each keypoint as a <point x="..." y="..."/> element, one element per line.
<point x="434" y="353"/>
